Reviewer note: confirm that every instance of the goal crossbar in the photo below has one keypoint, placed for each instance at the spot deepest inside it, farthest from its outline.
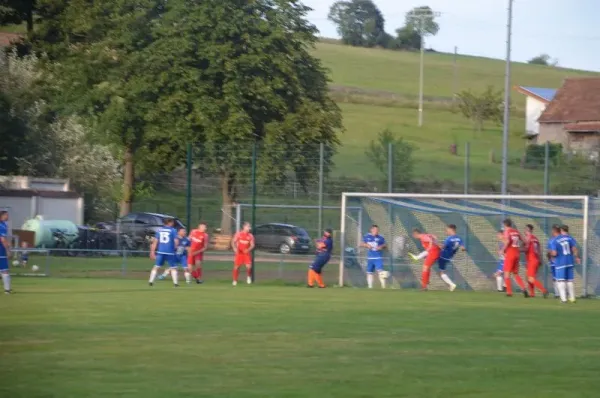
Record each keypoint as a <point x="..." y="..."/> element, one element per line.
<point x="504" y="198"/>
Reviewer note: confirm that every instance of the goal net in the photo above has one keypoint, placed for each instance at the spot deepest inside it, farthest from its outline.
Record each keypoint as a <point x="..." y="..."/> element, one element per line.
<point x="478" y="219"/>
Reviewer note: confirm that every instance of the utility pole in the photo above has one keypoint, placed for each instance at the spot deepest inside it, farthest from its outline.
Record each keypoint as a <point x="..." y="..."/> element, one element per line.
<point x="505" y="130"/>
<point x="421" y="17"/>
<point x="455" y="77"/>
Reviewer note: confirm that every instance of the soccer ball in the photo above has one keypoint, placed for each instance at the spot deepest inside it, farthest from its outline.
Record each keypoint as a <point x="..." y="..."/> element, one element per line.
<point x="35" y="268"/>
<point x="15" y="263"/>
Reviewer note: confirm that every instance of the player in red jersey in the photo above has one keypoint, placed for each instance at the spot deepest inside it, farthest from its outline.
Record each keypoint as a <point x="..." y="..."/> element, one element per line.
<point x="533" y="256"/>
<point x="243" y="244"/>
<point x="512" y="253"/>
<point x="431" y="254"/>
<point x="198" y="245"/>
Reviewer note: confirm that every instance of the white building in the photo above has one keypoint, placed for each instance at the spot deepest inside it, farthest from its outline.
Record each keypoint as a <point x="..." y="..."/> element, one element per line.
<point x="538" y="99"/>
<point x="28" y="197"/>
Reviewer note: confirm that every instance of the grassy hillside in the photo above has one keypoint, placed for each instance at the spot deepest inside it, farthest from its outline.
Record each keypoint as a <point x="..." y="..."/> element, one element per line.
<point x="398" y="72"/>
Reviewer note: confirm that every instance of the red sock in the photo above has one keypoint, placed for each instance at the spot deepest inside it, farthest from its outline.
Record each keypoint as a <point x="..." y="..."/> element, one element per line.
<point x="319" y="279"/>
<point x="531" y="288"/>
<point x="311" y="277"/>
<point x="249" y="271"/>
<point x="541" y="287"/>
<point x="425" y="278"/>
<point x="508" y="284"/>
<point x="519" y="281"/>
<point x="199" y="273"/>
<point x="236" y="273"/>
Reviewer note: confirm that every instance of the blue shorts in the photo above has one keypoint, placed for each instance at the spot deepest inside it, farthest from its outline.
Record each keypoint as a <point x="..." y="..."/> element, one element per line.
<point x="565" y="273"/>
<point x="181" y="260"/>
<point x="3" y="264"/>
<point x="500" y="266"/>
<point x="374" y="264"/>
<point x="443" y="263"/>
<point x="169" y="258"/>
<point x="319" y="262"/>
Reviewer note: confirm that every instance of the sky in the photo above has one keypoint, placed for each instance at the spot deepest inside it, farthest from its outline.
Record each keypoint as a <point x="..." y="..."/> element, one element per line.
<point x="567" y="30"/>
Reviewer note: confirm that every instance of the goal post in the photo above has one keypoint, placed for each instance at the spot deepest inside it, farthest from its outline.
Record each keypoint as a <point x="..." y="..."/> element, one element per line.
<point x="478" y="218"/>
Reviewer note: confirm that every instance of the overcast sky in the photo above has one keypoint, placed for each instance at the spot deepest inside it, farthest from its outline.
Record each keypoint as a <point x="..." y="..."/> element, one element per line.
<point x="565" y="29"/>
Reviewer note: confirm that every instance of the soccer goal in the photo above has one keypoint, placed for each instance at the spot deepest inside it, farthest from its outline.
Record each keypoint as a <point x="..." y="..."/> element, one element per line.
<point x="478" y="219"/>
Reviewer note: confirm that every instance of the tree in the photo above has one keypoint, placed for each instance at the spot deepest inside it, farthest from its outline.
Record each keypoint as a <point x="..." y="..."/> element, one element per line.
<point x="542" y="59"/>
<point x="422" y="19"/>
<point x="99" y="67"/>
<point x="481" y="107"/>
<point x="403" y="164"/>
<point x="235" y="76"/>
<point x="407" y="39"/>
<point x="359" y="22"/>
<point x="17" y="12"/>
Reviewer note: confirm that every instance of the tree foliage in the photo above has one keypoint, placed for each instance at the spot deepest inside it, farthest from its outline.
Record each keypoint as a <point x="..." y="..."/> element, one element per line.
<point x="17" y="12"/>
<point x="422" y="19"/>
<point x="403" y="163"/>
<point x="481" y="107"/>
<point x="542" y="59"/>
<point x="359" y="23"/>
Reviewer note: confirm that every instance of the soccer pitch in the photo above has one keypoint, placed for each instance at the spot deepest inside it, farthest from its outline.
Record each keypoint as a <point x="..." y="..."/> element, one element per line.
<point x="74" y="337"/>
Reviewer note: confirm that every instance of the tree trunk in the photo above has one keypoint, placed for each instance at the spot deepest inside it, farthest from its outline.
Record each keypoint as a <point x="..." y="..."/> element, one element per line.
<point x="227" y="210"/>
<point x="30" y="20"/>
<point x="128" y="177"/>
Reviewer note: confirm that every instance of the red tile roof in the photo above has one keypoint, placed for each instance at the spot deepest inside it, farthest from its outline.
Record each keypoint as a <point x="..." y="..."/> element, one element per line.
<point x="7" y="38"/>
<point x="582" y="127"/>
<point x="578" y="100"/>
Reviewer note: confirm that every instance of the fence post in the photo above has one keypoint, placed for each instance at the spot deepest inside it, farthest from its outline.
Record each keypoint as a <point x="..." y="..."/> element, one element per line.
<point x="390" y="207"/>
<point x="467" y="167"/>
<point x="546" y="191"/>
<point x="321" y="171"/>
<point x="253" y="220"/>
<point x="188" y="199"/>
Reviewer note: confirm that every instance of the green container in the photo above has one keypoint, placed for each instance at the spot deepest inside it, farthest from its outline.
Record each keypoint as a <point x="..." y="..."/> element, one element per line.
<point x="44" y="229"/>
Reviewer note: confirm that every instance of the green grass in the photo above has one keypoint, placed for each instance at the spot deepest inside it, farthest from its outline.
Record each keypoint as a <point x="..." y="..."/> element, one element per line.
<point x="98" y="338"/>
<point x="398" y="72"/>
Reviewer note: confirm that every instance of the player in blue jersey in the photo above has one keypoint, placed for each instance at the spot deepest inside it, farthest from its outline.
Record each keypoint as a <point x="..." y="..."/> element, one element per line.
<point x="450" y="247"/>
<point x="499" y="274"/>
<point x="163" y="250"/>
<point x="181" y="256"/>
<point x="324" y="249"/>
<point x="555" y="234"/>
<point x="564" y="250"/>
<point x="375" y="244"/>
<point x="4" y="251"/>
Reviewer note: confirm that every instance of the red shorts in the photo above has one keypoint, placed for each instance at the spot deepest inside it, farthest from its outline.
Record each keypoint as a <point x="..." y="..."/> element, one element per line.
<point x="242" y="259"/>
<point x="533" y="265"/>
<point x="197" y="258"/>
<point x="511" y="264"/>
<point x="431" y="259"/>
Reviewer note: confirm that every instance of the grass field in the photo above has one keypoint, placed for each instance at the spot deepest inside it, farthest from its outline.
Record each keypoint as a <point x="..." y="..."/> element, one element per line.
<point x="98" y="338"/>
<point x="398" y="72"/>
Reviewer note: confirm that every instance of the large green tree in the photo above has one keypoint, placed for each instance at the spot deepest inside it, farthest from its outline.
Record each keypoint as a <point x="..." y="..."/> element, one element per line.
<point x="359" y="23"/>
<point x="235" y="73"/>
<point x="98" y="58"/>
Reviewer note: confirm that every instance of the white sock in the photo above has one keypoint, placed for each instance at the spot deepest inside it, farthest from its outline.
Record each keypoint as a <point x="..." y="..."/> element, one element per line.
<point x="382" y="280"/>
<point x="499" y="282"/>
<point x="166" y="273"/>
<point x="188" y="276"/>
<point x="562" y="290"/>
<point x="370" y="280"/>
<point x="446" y="279"/>
<point x="422" y="255"/>
<point x="6" y="281"/>
<point x="175" y="275"/>
<point x="152" y="275"/>
<point x="571" y="290"/>
<point x="555" y="285"/>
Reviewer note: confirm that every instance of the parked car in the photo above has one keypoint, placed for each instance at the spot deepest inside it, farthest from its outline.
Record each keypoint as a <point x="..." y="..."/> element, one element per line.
<point x="283" y="238"/>
<point x="137" y="228"/>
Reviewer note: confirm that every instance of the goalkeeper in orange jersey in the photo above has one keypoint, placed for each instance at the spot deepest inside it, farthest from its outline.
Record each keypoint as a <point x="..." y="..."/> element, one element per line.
<point x="324" y="248"/>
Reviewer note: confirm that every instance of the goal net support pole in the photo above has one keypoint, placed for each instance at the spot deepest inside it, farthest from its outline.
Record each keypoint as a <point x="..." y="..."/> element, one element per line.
<point x="481" y="216"/>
